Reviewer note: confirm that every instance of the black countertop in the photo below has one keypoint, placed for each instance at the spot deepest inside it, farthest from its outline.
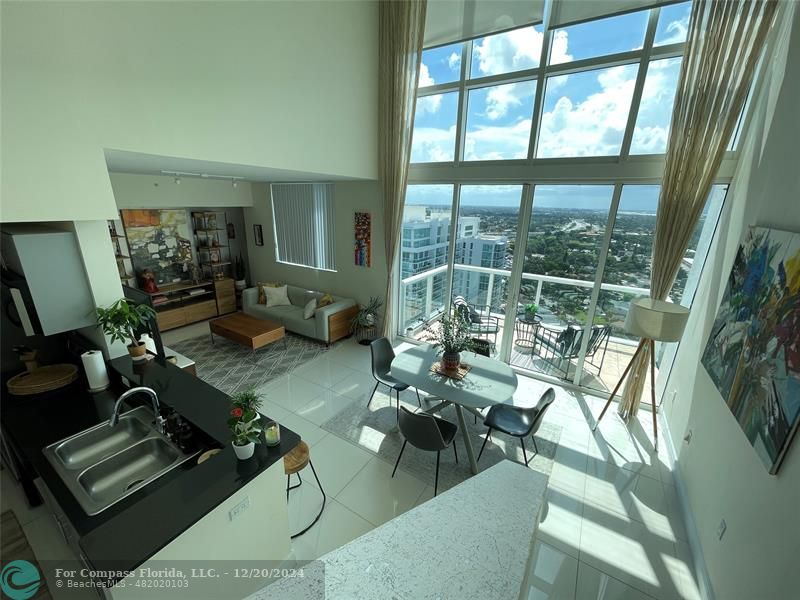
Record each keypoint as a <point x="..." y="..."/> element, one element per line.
<point x="128" y="533"/>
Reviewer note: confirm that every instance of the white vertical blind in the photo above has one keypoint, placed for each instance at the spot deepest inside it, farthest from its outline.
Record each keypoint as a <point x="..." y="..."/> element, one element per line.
<point x="449" y="21"/>
<point x="566" y="12"/>
<point x="303" y="223"/>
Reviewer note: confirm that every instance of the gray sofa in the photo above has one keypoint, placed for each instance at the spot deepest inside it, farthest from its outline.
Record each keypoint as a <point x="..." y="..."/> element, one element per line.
<point x="329" y="323"/>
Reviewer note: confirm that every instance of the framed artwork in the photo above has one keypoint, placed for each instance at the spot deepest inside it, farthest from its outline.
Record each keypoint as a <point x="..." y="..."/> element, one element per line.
<point x="753" y="351"/>
<point x="259" y="235"/>
<point x="159" y="241"/>
<point x="363" y="239"/>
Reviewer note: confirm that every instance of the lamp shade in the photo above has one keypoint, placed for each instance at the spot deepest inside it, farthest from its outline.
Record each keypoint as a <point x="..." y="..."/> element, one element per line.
<point x="656" y="320"/>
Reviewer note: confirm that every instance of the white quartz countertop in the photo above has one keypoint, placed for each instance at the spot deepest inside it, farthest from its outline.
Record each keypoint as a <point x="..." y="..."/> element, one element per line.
<point x="470" y="542"/>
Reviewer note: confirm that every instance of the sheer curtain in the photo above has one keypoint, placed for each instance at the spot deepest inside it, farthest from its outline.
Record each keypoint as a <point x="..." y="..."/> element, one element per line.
<point x="724" y="43"/>
<point x="401" y="30"/>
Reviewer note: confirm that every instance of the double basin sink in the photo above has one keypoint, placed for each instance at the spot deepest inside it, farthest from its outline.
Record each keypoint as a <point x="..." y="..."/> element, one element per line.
<point x="104" y="464"/>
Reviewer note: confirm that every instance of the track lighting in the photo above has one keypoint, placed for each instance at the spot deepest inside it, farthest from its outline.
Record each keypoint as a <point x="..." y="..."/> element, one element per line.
<point x="177" y="181"/>
<point x="235" y="184"/>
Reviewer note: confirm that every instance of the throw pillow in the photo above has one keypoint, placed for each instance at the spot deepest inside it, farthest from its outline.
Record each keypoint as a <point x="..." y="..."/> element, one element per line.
<point x="276" y="296"/>
<point x="309" y="309"/>
<point x="325" y="300"/>
<point x="262" y="298"/>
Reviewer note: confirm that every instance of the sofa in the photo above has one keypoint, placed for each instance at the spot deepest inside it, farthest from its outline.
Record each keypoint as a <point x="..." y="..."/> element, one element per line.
<point x="329" y="323"/>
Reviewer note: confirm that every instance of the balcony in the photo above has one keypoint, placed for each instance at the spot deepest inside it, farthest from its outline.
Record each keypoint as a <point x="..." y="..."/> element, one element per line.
<point x="423" y="303"/>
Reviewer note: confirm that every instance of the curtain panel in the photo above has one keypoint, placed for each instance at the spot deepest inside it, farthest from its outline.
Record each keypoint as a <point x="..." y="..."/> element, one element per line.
<point x="724" y="43"/>
<point x="401" y="31"/>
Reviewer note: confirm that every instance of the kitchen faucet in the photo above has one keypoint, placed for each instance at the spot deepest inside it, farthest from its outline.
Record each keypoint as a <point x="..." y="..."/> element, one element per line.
<point x="153" y="397"/>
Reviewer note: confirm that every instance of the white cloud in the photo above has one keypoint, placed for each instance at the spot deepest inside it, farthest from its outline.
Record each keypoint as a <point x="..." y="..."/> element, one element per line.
<point x="425" y="78"/>
<point x="498" y="143"/>
<point x="454" y="61"/>
<point x="431" y="144"/>
<point x="676" y="31"/>
<point x="655" y="111"/>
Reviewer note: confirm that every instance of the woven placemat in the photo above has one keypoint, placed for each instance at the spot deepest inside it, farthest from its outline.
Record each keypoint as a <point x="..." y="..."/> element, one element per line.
<point x="458" y="374"/>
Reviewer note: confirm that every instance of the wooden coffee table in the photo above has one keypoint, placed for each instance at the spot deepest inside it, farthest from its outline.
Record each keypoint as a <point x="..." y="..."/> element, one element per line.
<point x="248" y="331"/>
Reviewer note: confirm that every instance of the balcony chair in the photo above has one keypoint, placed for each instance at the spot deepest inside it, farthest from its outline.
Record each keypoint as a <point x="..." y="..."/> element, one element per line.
<point x="518" y="422"/>
<point x="560" y="346"/>
<point x="382" y="355"/>
<point x="426" y="432"/>
<point x="482" y="324"/>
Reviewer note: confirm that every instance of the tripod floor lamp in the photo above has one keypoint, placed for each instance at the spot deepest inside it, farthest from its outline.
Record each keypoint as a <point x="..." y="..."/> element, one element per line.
<point x="653" y="321"/>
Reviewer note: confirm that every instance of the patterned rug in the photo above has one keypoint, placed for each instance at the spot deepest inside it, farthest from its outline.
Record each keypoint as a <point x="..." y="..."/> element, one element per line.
<point x="375" y="429"/>
<point x="231" y="367"/>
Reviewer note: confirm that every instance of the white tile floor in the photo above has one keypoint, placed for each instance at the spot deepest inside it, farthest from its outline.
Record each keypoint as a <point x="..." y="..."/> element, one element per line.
<point x="611" y="527"/>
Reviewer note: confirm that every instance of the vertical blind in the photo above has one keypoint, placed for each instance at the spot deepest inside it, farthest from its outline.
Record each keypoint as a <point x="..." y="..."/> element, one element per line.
<point x="302" y="217"/>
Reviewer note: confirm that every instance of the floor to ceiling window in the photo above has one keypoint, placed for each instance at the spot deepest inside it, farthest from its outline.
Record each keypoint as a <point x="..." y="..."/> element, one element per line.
<point x="545" y="144"/>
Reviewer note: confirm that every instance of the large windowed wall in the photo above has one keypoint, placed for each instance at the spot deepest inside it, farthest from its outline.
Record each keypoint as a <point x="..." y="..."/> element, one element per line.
<point x="545" y="146"/>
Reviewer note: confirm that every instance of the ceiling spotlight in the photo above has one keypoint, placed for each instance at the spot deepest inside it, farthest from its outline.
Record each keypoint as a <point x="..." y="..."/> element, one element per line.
<point x="177" y="180"/>
<point x="235" y="183"/>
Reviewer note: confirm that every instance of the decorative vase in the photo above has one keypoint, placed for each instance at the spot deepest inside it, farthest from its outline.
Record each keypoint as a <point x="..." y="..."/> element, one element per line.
<point x="240" y="284"/>
<point x="137" y="352"/>
<point x="451" y="360"/>
<point x="244" y="452"/>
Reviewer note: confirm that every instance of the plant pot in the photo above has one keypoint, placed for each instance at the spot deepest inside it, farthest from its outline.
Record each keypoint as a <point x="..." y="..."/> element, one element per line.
<point x="137" y="352"/>
<point x="530" y="316"/>
<point x="240" y="284"/>
<point x="244" y="452"/>
<point x="451" y="360"/>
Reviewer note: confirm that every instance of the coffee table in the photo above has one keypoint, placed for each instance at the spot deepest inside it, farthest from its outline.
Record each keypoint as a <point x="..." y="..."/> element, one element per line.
<point x="248" y="331"/>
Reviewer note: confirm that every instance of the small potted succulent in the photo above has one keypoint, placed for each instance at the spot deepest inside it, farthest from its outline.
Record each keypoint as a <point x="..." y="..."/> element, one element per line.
<point x="365" y="320"/>
<point x="530" y="310"/>
<point x="452" y="337"/>
<point x="244" y="423"/>
<point x="240" y="272"/>
<point x="120" y="322"/>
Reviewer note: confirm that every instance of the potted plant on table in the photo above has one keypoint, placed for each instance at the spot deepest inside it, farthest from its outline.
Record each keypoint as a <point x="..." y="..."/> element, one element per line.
<point x="240" y="272"/>
<point x="530" y="311"/>
<point x="452" y="337"/>
<point x="244" y="423"/>
<point x="120" y="322"/>
<point x="365" y="320"/>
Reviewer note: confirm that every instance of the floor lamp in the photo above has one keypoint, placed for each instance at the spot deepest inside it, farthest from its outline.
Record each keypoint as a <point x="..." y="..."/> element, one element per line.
<point x="653" y="321"/>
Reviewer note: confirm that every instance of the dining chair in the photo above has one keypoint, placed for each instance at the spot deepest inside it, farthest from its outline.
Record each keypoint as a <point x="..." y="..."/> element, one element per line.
<point x="518" y="422"/>
<point x="382" y="356"/>
<point x="426" y="432"/>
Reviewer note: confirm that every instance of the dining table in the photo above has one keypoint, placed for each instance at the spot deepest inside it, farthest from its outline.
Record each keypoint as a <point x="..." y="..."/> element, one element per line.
<point x="487" y="382"/>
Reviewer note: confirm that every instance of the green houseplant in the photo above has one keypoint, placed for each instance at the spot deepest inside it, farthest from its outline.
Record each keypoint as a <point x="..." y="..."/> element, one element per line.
<point x="244" y="423"/>
<point x="451" y="337"/>
<point x="366" y="318"/>
<point x="240" y="273"/>
<point x="120" y="321"/>
<point x="530" y="310"/>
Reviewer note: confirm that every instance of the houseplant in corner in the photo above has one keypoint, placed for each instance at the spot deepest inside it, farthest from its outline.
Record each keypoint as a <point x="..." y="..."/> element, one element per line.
<point x="365" y="320"/>
<point x="451" y="337"/>
<point x="244" y="423"/>
<point x="240" y="272"/>
<point x="120" y="321"/>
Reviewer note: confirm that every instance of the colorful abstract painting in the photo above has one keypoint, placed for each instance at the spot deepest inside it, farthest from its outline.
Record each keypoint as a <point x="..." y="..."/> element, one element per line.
<point x="363" y="243"/>
<point x="753" y="351"/>
<point x="159" y="241"/>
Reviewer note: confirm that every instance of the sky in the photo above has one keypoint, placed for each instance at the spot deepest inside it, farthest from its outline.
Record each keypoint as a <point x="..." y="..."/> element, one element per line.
<point x="584" y="114"/>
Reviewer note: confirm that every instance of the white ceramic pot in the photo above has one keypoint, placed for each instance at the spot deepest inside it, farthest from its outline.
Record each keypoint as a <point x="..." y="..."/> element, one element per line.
<point x="244" y="452"/>
<point x="240" y="284"/>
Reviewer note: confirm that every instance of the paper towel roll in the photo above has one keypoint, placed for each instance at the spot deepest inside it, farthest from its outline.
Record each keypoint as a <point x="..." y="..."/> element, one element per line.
<point x="95" y="368"/>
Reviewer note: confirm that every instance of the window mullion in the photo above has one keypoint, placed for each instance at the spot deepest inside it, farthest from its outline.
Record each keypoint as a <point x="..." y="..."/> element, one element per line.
<point x="461" y="115"/>
<point x="451" y="248"/>
<point x="638" y="88"/>
<point x="538" y="101"/>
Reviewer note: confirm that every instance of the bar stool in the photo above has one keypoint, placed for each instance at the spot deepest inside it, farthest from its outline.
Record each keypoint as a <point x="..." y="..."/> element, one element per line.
<point x="294" y="462"/>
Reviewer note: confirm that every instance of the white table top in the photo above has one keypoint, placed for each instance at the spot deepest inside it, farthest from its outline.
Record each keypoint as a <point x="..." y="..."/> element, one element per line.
<point x="470" y="542"/>
<point x="488" y="382"/>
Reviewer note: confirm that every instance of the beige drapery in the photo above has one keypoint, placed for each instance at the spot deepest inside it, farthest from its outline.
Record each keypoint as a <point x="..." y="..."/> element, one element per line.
<point x="725" y="40"/>
<point x="401" y="30"/>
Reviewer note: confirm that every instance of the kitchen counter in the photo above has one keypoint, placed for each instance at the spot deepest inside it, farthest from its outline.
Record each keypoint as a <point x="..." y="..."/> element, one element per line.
<point x="129" y="532"/>
<point x="472" y="541"/>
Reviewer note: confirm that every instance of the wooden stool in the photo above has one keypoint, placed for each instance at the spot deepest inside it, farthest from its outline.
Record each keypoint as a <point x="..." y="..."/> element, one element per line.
<point x="294" y="462"/>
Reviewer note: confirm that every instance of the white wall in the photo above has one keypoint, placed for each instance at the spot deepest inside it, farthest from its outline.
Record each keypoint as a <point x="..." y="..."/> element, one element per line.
<point x="757" y="557"/>
<point x="289" y="85"/>
<point x="350" y="280"/>
<point x="158" y="191"/>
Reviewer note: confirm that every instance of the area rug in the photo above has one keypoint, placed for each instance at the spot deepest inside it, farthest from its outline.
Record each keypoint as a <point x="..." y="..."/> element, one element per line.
<point x="375" y="429"/>
<point x="15" y="547"/>
<point x="231" y="367"/>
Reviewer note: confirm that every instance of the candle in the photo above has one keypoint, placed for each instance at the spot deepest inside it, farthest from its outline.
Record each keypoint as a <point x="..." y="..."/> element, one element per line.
<point x="272" y="433"/>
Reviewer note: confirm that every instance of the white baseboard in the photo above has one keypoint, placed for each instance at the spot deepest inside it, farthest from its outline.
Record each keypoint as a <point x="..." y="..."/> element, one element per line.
<point x="703" y="579"/>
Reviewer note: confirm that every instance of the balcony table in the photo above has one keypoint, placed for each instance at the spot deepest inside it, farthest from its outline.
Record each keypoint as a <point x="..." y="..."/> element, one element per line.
<point x="488" y="382"/>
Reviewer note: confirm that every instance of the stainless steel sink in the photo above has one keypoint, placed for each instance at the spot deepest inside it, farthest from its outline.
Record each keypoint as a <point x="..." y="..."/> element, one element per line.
<point x="104" y="464"/>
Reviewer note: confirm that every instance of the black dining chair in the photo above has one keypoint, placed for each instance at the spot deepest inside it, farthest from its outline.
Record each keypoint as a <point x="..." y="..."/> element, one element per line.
<point x="382" y="357"/>
<point x="426" y="432"/>
<point x="518" y="422"/>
